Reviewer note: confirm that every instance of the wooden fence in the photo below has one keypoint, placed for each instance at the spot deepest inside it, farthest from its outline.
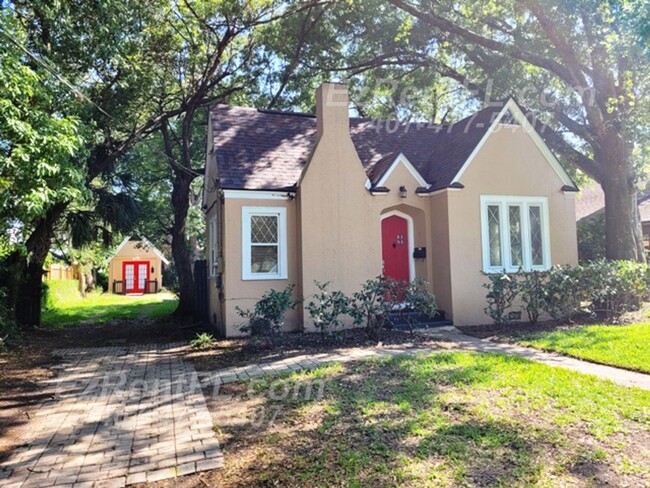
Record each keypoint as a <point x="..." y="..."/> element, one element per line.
<point x="58" y="272"/>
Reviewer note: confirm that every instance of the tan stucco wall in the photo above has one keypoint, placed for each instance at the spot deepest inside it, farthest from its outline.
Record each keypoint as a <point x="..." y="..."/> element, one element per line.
<point x="134" y="251"/>
<point x="340" y="239"/>
<point x="439" y="252"/>
<point x="508" y="164"/>
<point x="245" y="293"/>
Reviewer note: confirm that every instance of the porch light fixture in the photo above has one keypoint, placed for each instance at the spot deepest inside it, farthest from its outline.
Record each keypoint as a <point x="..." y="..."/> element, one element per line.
<point x="402" y="191"/>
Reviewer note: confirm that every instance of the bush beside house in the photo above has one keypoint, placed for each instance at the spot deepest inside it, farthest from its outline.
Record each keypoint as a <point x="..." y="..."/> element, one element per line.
<point x="602" y="288"/>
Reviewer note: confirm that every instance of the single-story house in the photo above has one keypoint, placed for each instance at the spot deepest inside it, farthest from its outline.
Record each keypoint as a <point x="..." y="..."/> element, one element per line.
<point x="135" y="268"/>
<point x="590" y="203"/>
<point x="292" y="198"/>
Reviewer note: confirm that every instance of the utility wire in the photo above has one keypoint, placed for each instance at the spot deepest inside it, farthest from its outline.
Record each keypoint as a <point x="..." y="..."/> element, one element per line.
<point x="45" y="63"/>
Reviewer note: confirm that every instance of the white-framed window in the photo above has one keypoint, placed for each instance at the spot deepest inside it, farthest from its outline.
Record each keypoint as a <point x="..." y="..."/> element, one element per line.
<point x="213" y="246"/>
<point x="264" y="243"/>
<point x="515" y="233"/>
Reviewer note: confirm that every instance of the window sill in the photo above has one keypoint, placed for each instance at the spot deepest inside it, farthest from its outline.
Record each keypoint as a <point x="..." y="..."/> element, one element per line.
<point x="264" y="278"/>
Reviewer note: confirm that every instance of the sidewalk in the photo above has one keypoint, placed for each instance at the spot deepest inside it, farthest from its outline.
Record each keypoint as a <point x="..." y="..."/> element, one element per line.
<point x="462" y="342"/>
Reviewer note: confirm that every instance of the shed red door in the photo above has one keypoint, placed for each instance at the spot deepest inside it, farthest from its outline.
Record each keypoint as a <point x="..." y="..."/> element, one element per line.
<point x="135" y="275"/>
<point x="395" y="247"/>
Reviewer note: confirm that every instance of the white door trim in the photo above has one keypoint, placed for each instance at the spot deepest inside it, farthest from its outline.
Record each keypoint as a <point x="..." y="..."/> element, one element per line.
<point x="411" y="237"/>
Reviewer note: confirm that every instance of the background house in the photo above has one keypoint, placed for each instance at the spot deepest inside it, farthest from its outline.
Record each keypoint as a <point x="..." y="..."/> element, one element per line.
<point x="136" y="267"/>
<point x="590" y="218"/>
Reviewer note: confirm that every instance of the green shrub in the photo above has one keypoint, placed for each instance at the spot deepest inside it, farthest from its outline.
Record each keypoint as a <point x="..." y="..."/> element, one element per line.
<point x="267" y="318"/>
<point x="591" y="239"/>
<point x="372" y="305"/>
<point x="202" y="341"/>
<point x="502" y="291"/>
<point x="615" y="287"/>
<point x="532" y="290"/>
<point x="563" y="292"/>
<point x="604" y="288"/>
<point x="326" y="308"/>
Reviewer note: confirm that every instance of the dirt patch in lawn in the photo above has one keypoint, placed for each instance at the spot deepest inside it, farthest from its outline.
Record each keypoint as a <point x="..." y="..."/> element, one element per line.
<point x="236" y="352"/>
<point x="374" y="427"/>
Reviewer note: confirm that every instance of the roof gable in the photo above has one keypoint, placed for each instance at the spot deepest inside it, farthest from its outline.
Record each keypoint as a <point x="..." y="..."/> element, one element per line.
<point x="512" y="114"/>
<point x="380" y="174"/>
<point x="147" y="243"/>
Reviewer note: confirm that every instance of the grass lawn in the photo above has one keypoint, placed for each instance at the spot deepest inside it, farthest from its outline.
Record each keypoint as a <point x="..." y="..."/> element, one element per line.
<point x="447" y="419"/>
<point x="627" y="346"/>
<point x="66" y="307"/>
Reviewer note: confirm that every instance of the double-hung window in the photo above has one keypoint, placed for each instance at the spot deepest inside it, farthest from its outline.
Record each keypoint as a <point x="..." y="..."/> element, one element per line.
<point x="264" y="241"/>
<point x="515" y="233"/>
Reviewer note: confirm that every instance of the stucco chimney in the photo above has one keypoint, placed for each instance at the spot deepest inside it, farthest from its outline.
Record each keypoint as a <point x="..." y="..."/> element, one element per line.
<point x="332" y="104"/>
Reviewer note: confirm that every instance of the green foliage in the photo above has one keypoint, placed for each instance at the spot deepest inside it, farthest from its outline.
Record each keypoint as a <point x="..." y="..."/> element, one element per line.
<point x="502" y="291"/>
<point x="268" y="315"/>
<point x="604" y="288"/>
<point x="326" y="308"/>
<point x="591" y="239"/>
<point x="531" y="287"/>
<point x="563" y="292"/>
<point x="615" y="287"/>
<point x="202" y="341"/>
<point x="370" y="305"/>
<point x="38" y="143"/>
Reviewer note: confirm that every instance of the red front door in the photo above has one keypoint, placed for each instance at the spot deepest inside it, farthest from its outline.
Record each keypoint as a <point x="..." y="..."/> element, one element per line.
<point x="395" y="248"/>
<point x="135" y="275"/>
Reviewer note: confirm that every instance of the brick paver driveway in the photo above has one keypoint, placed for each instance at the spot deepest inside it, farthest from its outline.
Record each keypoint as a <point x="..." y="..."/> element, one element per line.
<point x="118" y="415"/>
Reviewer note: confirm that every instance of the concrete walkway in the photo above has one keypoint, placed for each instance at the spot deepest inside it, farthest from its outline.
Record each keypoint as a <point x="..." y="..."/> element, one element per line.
<point x="118" y="415"/>
<point x="447" y="334"/>
<point x="617" y="375"/>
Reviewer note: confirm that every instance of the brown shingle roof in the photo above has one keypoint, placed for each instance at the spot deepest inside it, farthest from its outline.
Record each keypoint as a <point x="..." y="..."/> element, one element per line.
<point x="261" y="150"/>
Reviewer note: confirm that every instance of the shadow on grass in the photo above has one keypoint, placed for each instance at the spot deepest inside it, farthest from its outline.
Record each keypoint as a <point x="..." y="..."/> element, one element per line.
<point x="393" y="422"/>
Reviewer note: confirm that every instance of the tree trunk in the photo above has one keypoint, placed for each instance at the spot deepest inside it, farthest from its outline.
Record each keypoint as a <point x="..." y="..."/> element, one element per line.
<point x="180" y="251"/>
<point x="624" y="237"/>
<point x="30" y="289"/>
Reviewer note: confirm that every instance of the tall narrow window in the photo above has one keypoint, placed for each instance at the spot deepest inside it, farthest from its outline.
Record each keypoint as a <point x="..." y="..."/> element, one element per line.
<point x="494" y="232"/>
<point x="515" y="233"/>
<point x="536" y="235"/>
<point x="264" y="253"/>
<point x="516" y="249"/>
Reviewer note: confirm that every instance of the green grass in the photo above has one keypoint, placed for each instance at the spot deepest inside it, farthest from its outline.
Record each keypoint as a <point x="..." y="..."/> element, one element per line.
<point x="626" y="346"/>
<point x="447" y="419"/>
<point x="66" y="307"/>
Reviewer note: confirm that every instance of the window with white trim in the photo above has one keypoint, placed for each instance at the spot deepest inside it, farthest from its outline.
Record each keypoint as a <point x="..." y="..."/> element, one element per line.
<point x="264" y="242"/>
<point x="515" y="233"/>
<point x="213" y="246"/>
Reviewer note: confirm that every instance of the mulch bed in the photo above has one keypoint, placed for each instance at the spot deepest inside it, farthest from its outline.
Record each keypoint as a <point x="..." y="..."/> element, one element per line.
<point x="512" y="331"/>
<point x="235" y="352"/>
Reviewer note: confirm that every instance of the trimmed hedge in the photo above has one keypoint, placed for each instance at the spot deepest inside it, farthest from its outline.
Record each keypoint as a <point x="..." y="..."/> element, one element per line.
<point x="602" y="288"/>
